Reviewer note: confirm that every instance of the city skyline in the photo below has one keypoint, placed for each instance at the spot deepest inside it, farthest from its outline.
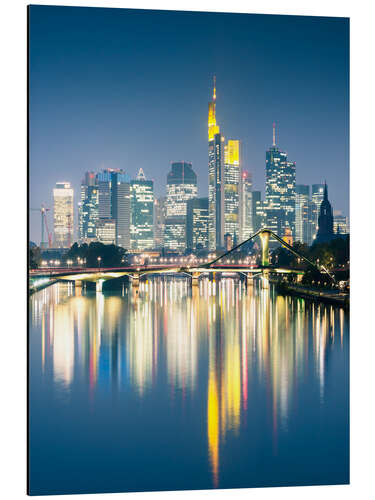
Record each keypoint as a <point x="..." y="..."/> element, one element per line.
<point x="325" y="158"/>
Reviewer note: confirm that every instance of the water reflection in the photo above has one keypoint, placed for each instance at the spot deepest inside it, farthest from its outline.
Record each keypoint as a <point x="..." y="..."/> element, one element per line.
<point x="237" y="346"/>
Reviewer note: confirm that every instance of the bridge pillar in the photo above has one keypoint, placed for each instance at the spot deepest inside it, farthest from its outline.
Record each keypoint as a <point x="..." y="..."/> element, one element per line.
<point x="265" y="239"/>
<point x="265" y="280"/>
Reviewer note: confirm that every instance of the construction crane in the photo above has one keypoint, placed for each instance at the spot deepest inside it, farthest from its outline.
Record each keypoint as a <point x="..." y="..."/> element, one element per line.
<point x="44" y="225"/>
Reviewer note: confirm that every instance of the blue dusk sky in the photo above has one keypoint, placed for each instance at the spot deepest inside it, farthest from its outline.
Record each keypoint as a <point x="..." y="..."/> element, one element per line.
<point x="130" y="88"/>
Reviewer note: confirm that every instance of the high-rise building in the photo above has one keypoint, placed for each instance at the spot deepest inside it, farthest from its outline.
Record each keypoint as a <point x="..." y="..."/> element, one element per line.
<point x="303" y="214"/>
<point x="197" y="224"/>
<point x="257" y="207"/>
<point x="325" y="220"/>
<point x="181" y="187"/>
<point x="317" y="195"/>
<point x="106" y="231"/>
<point x="88" y="209"/>
<point x="246" y="206"/>
<point x="114" y="202"/>
<point x="340" y="223"/>
<point x="232" y="177"/>
<point x="63" y="215"/>
<point x="142" y="213"/>
<point x="280" y="189"/>
<point x="159" y="221"/>
<point x="215" y="178"/>
<point x="121" y="207"/>
<point x="104" y="183"/>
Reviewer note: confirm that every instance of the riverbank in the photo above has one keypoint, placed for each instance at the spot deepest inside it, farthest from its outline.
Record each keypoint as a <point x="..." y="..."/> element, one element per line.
<point x="329" y="296"/>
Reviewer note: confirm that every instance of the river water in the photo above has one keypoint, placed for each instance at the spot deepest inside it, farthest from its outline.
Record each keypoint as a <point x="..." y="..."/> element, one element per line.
<point x="174" y="387"/>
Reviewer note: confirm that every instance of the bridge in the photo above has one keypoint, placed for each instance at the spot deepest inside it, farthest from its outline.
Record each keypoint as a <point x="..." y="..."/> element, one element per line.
<point x="221" y="264"/>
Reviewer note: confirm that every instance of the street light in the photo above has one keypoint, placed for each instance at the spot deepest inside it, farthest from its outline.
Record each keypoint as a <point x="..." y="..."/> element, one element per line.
<point x="99" y="260"/>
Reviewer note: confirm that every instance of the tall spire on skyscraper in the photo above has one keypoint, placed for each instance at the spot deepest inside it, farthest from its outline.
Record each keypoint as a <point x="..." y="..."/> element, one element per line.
<point x="213" y="129"/>
<point x="274" y="134"/>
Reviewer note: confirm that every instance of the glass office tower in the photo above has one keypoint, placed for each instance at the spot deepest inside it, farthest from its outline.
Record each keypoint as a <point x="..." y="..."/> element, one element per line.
<point x="215" y="178"/>
<point x="142" y="213"/>
<point x="63" y="212"/>
<point x="88" y="209"/>
<point x="232" y="189"/>
<point x="181" y="187"/>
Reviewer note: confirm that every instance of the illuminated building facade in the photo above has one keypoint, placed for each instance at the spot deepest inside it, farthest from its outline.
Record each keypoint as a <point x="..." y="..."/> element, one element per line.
<point x="232" y="177"/>
<point x="215" y="178"/>
<point x="159" y="221"/>
<point x="142" y="213"/>
<point x="197" y="224"/>
<point x="181" y="187"/>
<point x="106" y="231"/>
<point x="280" y="189"/>
<point x="303" y="214"/>
<point x="257" y="210"/>
<point x="88" y="209"/>
<point x="287" y="236"/>
<point x="121" y="207"/>
<point x="246" y="206"/>
<point x="104" y="183"/>
<point x="340" y="223"/>
<point x="317" y="195"/>
<point x="63" y="215"/>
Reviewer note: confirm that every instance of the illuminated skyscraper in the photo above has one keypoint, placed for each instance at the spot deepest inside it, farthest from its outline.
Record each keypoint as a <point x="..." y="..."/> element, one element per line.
<point x="88" y="209"/>
<point x="159" y="221"/>
<point x="142" y="213"/>
<point x="232" y="176"/>
<point x="121" y="207"/>
<point x="63" y="215"/>
<point x="114" y="202"/>
<point x="257" y="206"/>
<point x="246" y="206"/>
<point x="303" y="214"/>
<point x="181" y="187"/>
<point x="317" y="195"/>
<point x="197" y="224"/>
<point x="104" y="183"/>
<point x="280" y="189"/>
<point x="215" y="178"/>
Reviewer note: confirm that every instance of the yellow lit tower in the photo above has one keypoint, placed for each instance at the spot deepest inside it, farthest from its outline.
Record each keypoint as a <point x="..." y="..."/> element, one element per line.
<point x="215" y="178"/>
<point x="232" y="178"/>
